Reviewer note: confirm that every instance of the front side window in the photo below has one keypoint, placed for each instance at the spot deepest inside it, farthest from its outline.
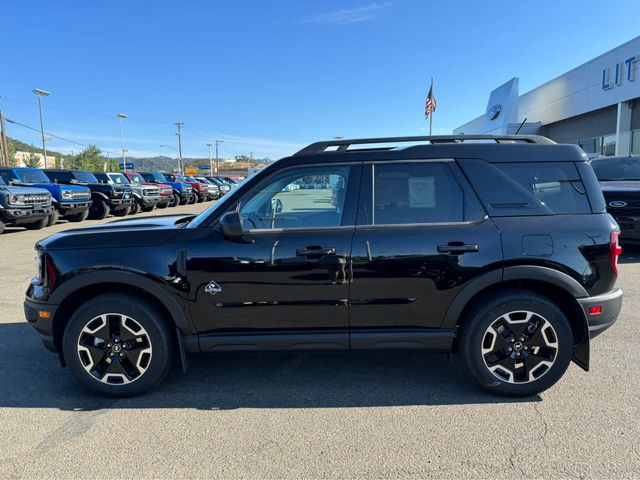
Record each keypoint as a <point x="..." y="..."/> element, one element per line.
<point x="136" y="178"/>
<point x="310" y="197"/>
<point x="415" y="193"/>
<point x="83" y="176"/>
<point x="118" y="179"/>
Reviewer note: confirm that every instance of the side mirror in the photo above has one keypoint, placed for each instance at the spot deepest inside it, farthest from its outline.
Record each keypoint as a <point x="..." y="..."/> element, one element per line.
<point x="232" y="227"/>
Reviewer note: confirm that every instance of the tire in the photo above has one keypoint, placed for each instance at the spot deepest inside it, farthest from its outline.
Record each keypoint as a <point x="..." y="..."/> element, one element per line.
<point x="53" y="218"/>
<point x="162" y="205"/>
<point x="98" y="210"/>
<point x="112" y="328"/>
<point x="2" y="227"/>
<point x="175" y="201"/>
<point x="78" y="217"/>
<point x="193" y="199"/>
<point x="148" y="209"/>
<point x="135" y="208"/>
<point x="37" y="225"/>
<point x="499" y="349"/>
<point x="123" y="212"/>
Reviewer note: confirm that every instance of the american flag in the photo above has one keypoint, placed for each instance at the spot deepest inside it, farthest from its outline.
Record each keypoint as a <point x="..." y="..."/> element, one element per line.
<point x="431" y="103"/>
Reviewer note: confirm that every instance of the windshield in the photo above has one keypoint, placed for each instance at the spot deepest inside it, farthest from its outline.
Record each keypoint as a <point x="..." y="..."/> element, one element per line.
<point x="191" y="179"/>
<point x="118" y="178"/>
<point x="83" y="176"/>
<point x="157" y="177"/>
<point x="617" y="169"/>
<point x="136" y="178"/>
<point x="32" y="176"/>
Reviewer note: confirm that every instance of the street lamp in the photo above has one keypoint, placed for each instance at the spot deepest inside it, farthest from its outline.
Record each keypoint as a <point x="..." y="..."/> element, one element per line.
<point x="217" y="142"/>
<point x="210" y="162"/>
<point x="122" y="116"/>
<point x="42" y="93"/>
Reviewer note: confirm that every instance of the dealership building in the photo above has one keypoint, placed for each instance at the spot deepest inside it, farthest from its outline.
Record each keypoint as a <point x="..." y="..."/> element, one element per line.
<point x="595" y="105"/>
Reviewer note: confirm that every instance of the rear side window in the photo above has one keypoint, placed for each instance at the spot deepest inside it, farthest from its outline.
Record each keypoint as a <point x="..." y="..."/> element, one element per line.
<point x="532" y="188"/>
<point x="419" y="192"/>
<point x="556" y="184"/>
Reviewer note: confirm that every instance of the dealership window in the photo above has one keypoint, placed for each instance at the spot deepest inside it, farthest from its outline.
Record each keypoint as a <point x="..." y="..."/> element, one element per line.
<point x="608" y="145"/>
<point x="635" y="142"/>
<point x="605" y="145"/>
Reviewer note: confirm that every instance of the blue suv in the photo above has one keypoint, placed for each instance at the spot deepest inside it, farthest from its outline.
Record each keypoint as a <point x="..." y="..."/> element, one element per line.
<point x="71" y="202"/>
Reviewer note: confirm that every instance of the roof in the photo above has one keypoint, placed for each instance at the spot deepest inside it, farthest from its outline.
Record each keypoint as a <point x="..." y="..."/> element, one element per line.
<point x="492" y="148"/>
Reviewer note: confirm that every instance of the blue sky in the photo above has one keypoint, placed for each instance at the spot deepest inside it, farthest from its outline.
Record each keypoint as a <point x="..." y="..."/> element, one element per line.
<point x="268" y="77"/>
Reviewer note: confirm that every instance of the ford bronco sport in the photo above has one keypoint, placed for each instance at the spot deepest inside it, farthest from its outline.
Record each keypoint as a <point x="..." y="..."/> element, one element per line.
<point x="496" y="247"/>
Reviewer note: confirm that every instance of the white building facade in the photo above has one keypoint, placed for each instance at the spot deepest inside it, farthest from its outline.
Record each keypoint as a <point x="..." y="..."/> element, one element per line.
<point x="595" y="105"/>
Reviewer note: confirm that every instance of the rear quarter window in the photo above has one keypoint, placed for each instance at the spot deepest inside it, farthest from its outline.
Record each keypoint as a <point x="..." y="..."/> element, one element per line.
<point x="531" y="188"/>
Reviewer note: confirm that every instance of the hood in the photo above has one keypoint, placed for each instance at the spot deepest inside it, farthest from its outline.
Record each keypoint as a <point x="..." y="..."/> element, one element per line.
<point x="148" y="231"/>
<point x="24" y="190"/>
<point x="621" y="186"/>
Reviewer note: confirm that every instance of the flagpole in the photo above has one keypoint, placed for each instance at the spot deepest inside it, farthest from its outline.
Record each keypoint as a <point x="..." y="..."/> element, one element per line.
<point x="431" y="115"/>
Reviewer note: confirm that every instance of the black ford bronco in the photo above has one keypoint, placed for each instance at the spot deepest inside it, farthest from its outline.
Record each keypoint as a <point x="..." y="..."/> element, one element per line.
<point x="496" y="247"/>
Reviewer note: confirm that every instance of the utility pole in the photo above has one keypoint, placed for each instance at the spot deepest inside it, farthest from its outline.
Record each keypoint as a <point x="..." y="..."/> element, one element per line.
<point x="210" y="162"/>
<point x="5" y="146"/>
<point x="179" y="135"/>
<point x="217" y="142"/>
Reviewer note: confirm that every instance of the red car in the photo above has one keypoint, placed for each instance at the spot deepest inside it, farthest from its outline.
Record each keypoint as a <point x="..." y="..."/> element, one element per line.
<point x="166" y="191"/>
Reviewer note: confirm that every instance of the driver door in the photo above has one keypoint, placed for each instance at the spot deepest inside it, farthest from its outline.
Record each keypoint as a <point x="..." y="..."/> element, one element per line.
<point x="286" y="285"/>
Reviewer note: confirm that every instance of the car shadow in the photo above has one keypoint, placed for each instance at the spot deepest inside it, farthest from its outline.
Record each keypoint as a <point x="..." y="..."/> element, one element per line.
<point x="31" y="377"/>
<point x="630" y="254"/>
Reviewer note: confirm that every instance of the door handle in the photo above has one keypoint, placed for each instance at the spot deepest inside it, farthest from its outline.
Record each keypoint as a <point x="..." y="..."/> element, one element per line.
<point x="458" y="248"/>
<point x="314" y="251"/>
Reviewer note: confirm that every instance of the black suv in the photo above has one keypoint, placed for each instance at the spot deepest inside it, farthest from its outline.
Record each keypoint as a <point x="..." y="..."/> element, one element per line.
<point x="114" y="199"/>
<point x="499" y="248"/>
<point x="620" y="181"/>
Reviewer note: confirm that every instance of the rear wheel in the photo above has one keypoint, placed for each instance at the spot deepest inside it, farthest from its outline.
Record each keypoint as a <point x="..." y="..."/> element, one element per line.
<point x="78" y="217"/>
<point x="36" y="225"/>
<point x="99" y="210"/>
<point x="118" y="345"/>
<point x="53" y="218"/>
<point x="516" y="343"/>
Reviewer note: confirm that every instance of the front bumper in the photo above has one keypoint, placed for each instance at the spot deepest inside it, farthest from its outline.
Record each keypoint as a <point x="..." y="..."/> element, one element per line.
<point x="71" y="208"/>
<point x="610" y="303"/>
<point x="33" y="312"/>
<point x="116" y="204"/>
<point x="19" y="215"/>
<point x="149" y="201"/>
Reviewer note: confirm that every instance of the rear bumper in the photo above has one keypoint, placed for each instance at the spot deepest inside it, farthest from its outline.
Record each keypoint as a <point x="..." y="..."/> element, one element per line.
<point x="611" y="304"/>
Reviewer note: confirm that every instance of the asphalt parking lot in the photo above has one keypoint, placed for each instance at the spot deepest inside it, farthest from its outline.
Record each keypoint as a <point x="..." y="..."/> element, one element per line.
<point x="411" y="415"/>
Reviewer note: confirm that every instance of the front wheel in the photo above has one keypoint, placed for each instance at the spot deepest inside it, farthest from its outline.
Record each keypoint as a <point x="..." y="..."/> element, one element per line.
<point x="118" y="345"/>
<point x="175" y="200"/>
<point x="53" y="218"/>
<point x="123" y="212"/>
<point x="516" y="343"/>
<point x="135" y="208"/>
<point x="78" y="217"/>
<point x="2" y="227"/>
<point x="99" y="210"/>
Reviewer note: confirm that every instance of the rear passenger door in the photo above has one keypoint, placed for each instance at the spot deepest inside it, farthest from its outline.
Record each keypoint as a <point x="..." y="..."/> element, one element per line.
<point x="421" y="236"/>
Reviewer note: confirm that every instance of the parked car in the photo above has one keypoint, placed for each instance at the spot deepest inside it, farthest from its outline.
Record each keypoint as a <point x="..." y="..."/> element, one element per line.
<point x="72" y="202"/>
<point x="214" y="190"/>
<point x="620" y="181"/>
<point x="174" y="177"/>
<point x="224" y="187"/>
<point x="203" y="190"/>
<point x="106" y="199"/>
<point x="182" y="192"/>
<point x="145" y="197"/>
<point x="25" y="207"/>
<point x="166" y="191"/>
<point x="501" y="250"/>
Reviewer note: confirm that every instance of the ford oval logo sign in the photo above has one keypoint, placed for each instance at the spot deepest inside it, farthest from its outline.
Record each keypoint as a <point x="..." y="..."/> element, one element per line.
<point x="494" y="111"/>
<point x="618" y="204"/>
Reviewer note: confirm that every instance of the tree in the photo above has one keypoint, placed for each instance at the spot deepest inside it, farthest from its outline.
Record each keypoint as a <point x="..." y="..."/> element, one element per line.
<point x="90" y="159"/>
<point x="12" y="152"/>
<point x="33" y="161"/>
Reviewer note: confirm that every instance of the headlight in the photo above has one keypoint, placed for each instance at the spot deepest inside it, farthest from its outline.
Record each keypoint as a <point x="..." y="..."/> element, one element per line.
<point x="12" y="199"/>
<point x="67" y="194"/>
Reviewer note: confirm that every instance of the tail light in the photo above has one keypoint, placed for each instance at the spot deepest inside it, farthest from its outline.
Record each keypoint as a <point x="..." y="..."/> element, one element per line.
<point x="615" y="251"/>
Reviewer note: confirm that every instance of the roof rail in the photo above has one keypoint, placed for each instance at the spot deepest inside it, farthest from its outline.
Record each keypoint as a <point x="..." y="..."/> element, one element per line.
<point x="332" y="146"/>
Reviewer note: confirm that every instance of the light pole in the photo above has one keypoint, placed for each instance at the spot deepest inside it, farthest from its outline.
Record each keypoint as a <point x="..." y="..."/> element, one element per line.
<point x="179" y="135"/>
<point x="217" y="142"/>
<point x="42" y="93"/>
<point x="122" y="116"/>
<point x="210" y="162"/>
